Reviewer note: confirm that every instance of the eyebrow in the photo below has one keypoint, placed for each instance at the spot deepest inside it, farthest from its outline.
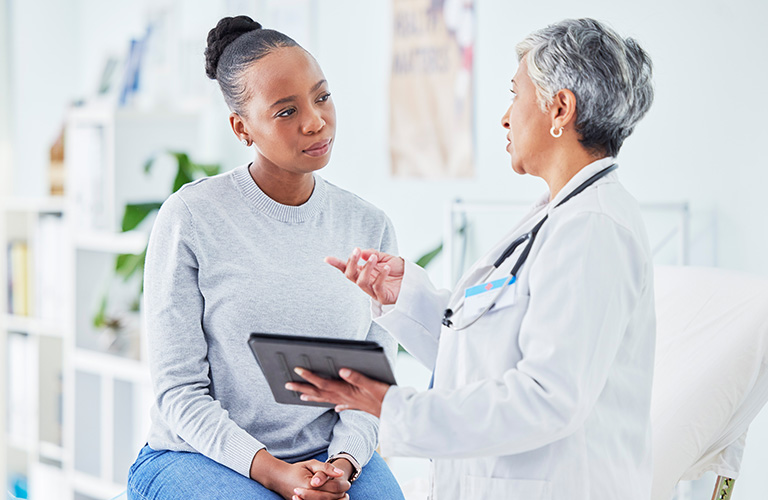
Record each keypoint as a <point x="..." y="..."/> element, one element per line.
<point x="293" y="97"/>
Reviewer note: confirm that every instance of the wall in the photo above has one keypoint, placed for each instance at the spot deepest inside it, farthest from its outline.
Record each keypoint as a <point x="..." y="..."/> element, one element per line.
<point x="5" y="99"/>
<point x="699" y="142"/>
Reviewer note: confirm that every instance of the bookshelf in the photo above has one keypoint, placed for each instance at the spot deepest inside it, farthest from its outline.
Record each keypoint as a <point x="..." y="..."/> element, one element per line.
<point x="33" y="331"/>
<point x="78" y="396"/>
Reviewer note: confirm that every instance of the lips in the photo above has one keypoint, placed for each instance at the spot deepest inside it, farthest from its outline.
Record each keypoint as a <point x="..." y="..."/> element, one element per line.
<point x="319" y="148"/>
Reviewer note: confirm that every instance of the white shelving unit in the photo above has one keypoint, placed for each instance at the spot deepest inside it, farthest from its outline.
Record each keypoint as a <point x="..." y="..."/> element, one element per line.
<point x="33" y="340"/>
<point x="84" y="404"/>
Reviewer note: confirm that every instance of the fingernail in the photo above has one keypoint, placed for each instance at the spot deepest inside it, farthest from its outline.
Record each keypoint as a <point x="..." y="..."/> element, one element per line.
<point x="315" y="481"/>
<point x="299" y="370"/>
<point x="345" y="372"/>
<point x="337" y="470"/>
<point x="289" y="387"/>
<point x="356" y="251"/>
<point x="386" y="268"/>
<point x="372" y="258"/>
<point x="304" y="397"/>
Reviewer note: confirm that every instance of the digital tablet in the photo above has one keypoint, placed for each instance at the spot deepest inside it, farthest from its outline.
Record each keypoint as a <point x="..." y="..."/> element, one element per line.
<point x="278" y="355"/>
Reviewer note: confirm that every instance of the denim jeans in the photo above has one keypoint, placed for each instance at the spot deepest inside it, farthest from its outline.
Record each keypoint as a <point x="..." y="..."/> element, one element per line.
<point x="176" y="475"/>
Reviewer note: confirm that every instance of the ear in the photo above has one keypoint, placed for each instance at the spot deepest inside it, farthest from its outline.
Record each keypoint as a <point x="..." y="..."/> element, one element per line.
<point x="563" y="109"/>
<point x="238" y="127"/>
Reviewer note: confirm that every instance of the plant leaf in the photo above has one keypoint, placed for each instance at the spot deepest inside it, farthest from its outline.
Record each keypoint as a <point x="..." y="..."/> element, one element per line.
<point x="100" y="319"/>
<point x="208" y="170"/>
<point x="425" y="259"/>
<point x="128" y="264"/>
<point x="135" y="213"/>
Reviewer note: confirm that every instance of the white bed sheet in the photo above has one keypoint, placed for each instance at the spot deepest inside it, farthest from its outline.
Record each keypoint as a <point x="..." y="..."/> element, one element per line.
<point x="711" y="368"/>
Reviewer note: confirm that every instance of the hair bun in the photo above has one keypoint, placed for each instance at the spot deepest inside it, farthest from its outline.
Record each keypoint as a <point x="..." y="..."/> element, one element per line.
<point x="225" y="32"/>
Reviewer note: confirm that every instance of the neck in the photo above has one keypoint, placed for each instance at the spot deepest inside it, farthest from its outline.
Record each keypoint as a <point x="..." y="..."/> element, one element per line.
<point x="564" y="166"/>
<point x="286" y="188"/>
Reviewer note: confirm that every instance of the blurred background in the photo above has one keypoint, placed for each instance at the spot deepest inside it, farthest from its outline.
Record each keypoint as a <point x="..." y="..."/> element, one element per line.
<point x="103" y="105"/>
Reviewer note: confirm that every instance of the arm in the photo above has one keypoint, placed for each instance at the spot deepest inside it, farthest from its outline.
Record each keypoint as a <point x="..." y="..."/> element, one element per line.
<point x="568" y="338"/>
<point x="356" y="432"/>
<point x="178" y="361"/>
<point x="416" y="319"/>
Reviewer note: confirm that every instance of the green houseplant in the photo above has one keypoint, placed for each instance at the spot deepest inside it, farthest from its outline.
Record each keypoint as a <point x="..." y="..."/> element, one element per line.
<point x="128" y="266"/>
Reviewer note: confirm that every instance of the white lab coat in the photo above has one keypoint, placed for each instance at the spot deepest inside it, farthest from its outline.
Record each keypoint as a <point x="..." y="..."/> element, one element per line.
<point x="548" y="396"/>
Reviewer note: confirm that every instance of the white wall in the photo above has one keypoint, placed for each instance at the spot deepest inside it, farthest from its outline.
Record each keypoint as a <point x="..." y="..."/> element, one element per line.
<point x="5" y="101"/>
<point x="701" y="141"/>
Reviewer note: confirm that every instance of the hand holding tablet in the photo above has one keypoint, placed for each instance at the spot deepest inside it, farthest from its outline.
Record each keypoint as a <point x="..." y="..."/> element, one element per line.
<point x="370" y="373"/>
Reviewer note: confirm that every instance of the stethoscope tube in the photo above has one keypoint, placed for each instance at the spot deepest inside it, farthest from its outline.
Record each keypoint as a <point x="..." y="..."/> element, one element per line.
<point x="530" y="237"/>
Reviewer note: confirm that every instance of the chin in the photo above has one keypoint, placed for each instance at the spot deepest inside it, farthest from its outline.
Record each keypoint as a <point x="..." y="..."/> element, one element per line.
<point x="518" y="168"/>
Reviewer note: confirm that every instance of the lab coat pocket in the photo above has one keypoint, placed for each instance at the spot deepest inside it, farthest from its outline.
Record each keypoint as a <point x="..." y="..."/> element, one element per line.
<point x="512" y="489"/>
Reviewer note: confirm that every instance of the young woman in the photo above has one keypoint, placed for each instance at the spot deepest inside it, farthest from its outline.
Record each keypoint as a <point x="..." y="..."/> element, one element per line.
<point x="243" y="252"/>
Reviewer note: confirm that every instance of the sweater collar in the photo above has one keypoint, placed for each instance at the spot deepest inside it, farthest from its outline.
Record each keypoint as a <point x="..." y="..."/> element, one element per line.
<point x="284" y="213"/>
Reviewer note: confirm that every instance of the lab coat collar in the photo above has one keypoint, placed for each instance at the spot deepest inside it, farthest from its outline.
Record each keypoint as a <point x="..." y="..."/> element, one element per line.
<point x="581" y="176"/>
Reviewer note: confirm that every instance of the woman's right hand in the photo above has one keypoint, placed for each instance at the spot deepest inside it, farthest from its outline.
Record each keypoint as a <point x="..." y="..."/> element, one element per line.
<point x="380" y="276"/>
<point x="295" y="481"/>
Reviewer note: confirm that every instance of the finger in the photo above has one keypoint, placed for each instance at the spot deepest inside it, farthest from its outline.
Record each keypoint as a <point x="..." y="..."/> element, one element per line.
<point x="337" y="263"/>
<point x="366" y="254"/>
<point x="364" y="279"/>
<point x="317" y="381"/>
<point x="318" y="479"/>
<point x="356" y="378"/>
<point x="328" y="469"/>
<point x="378" y="284"/>
<point x="336" y="486"/>
<point x="321" y="398"/>
<point x="352" y="265"/>
<point x="313" y="494"/>
<point x="303" y="388"/>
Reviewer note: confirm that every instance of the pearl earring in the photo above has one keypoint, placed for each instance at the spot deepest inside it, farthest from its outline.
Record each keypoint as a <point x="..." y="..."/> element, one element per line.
<point x="245" y="142"/>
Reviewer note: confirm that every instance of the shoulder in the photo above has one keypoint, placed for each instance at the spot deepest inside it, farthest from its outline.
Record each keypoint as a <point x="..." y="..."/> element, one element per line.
<point x="608" y="201"/>
<point x="342" y="200"/>
<point x="207" y="190"/>
<point x="202" y="196"/>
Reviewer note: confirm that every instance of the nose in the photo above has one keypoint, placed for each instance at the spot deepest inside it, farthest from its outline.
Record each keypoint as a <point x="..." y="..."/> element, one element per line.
<point x="314" y="122"/>
<point x="505" y="118"/>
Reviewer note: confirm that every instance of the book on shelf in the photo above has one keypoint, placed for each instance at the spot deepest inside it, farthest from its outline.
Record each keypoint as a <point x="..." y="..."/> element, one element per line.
<point x="49" y="267"/>
<point x="45" y="481"/>
<point x="18" y="278"/>
<point x="20" y="364"/>
<point x="85" y="159"/>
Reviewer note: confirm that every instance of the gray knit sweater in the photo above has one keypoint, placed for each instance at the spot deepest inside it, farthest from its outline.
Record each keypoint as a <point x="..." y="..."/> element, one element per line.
<point x="225" y="260"/>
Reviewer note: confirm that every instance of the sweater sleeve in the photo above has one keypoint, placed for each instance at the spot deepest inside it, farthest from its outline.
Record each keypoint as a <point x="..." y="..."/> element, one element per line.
<point x="356" y="432"/>
<point x="178" y="349"/>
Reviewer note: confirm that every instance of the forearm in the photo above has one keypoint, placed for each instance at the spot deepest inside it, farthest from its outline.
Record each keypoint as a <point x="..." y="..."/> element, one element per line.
<point x="265" y="468"/>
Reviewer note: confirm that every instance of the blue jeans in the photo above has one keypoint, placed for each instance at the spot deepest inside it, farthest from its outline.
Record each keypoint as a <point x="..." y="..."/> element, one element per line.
<point x="177" y="475"/>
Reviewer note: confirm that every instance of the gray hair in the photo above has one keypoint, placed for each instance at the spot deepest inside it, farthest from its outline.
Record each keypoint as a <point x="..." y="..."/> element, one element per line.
<point x="609" y="75"/>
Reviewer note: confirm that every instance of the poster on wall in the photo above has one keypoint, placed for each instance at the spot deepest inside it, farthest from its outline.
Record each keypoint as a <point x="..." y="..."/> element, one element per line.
<point x="431" y="108"/>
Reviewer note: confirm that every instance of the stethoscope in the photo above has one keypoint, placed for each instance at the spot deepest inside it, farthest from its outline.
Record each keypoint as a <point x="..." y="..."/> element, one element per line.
<point x="530" y="237"/>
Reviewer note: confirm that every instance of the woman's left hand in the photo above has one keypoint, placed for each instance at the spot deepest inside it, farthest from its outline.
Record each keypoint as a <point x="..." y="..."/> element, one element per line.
<point x="354" y="392"/>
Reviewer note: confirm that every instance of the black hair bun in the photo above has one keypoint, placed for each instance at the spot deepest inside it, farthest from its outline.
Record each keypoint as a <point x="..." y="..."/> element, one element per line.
<point x="225" y="32"/>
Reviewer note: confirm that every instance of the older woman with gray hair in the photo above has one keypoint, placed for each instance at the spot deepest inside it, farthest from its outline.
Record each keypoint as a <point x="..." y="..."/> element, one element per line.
<point x="543" y="353"/>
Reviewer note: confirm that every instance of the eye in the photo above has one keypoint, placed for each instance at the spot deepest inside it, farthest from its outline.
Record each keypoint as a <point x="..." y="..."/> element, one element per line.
<point x="324" y="97"/>
<point x="514" y="94"/>
<point x="286" y="113"/>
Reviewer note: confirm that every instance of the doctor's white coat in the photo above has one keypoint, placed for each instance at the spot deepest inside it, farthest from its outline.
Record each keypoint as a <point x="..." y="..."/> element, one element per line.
<point x="548" y="395"/>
